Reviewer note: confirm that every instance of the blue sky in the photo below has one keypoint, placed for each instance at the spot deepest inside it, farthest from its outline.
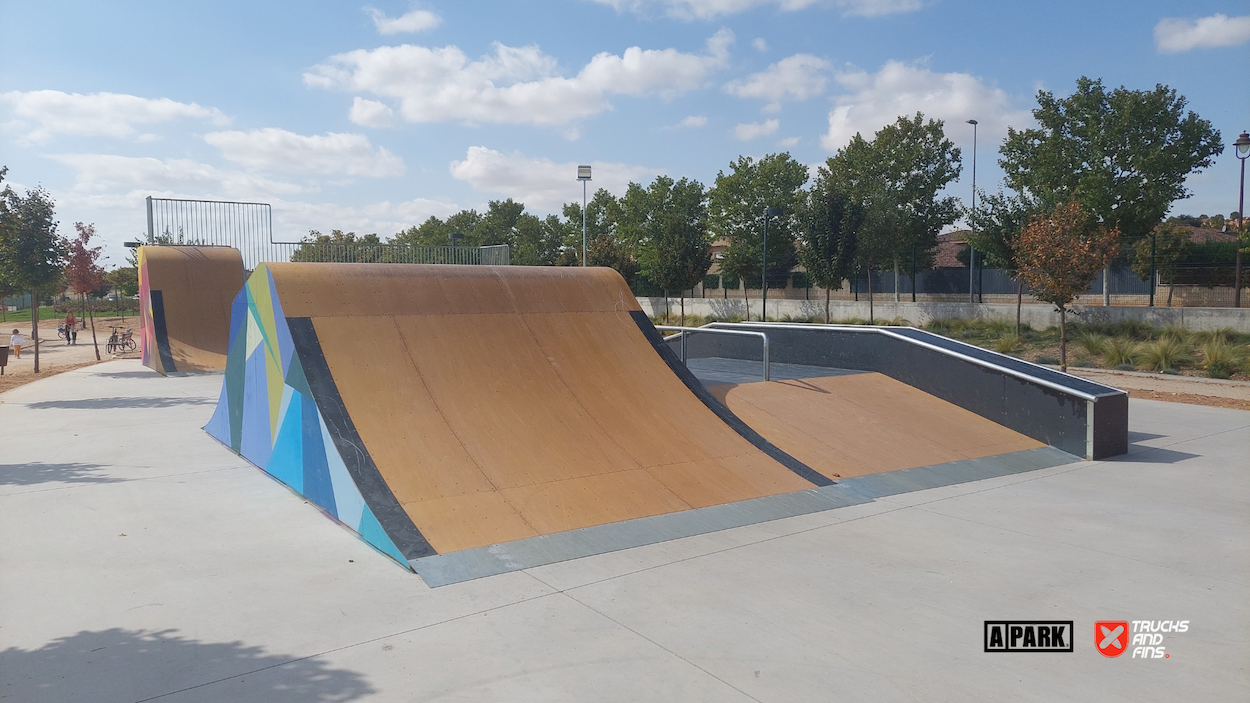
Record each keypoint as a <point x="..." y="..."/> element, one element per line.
<point x="373" y="117"/>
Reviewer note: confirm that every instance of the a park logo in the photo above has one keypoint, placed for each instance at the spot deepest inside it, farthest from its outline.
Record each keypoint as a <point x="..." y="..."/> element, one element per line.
<point x="1028" y="636"/>
<point x="1111" y="637"/>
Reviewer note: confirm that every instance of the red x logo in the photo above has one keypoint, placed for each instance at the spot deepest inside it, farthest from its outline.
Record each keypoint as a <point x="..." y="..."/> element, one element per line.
<point x="1111" y="637"/>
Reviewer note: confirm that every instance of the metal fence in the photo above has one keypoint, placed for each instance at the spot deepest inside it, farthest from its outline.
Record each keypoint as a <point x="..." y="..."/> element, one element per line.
<point x="248" y="227"/>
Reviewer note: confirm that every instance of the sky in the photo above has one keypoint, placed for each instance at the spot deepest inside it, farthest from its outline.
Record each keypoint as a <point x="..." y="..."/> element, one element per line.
<point x="371" y="118"/>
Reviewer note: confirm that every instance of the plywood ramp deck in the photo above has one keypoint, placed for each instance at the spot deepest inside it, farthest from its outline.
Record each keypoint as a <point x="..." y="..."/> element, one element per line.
<point x="862" y="423"/>
<point x="500" y="404"/>
<point x="196" y="286"/>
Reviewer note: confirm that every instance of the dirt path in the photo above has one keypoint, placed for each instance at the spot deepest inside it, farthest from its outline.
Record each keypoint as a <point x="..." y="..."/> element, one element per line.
<point x="1176" y="389"/>
<point x="55" y="356"/>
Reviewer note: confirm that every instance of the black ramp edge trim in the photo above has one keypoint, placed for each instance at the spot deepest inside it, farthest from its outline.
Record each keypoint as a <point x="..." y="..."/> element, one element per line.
<point x="157" y="300"/>
<point x="725" y="414"/>
<point x="386" y="508"/>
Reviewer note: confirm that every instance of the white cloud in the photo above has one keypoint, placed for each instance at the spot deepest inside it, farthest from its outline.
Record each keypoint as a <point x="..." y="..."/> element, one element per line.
<point x="755" y="130"/>
<point x="103" y="173"/>
<point x="45" y="113"/>
<point x="900" y="89"/>
<point x="694" y="121"/>
<point x="760" y="44"/>
<point x="797" y="77"/>
<point x="517" y="85"/>
<point x="788" y="142"/>
<point x="371" y="113"/>
<point x="415" y="21"/>
<point x="1174" y="35"/>
<point x="273" y="149"/>
<point x="541" y="184"/>
<point x="709" y="9"/>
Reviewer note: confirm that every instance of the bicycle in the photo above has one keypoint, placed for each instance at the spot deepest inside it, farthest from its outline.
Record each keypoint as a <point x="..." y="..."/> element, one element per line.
<point x="124" y="342"/>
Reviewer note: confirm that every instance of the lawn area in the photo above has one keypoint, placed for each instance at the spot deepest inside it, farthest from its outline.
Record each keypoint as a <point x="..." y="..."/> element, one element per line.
<point x="46" y="312"/>
<point x="1126" y="346"/>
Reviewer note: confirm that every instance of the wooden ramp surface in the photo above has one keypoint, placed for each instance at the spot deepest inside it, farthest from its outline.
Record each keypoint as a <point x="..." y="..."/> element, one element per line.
<point x="862" y="423"/>
<point x="196" y="286"/>
<point x="510" y="402"/>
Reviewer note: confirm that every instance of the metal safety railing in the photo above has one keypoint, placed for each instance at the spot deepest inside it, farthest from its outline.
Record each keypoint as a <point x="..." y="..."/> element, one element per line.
<point x="865" y="329"/>
<point x="248" y="227"/>
<point x="684" y="331"/>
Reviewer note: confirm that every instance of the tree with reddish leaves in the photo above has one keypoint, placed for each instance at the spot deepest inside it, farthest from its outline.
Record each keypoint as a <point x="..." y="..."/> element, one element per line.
<point x="1059" y="254"/>
<point x="83" y="273"/>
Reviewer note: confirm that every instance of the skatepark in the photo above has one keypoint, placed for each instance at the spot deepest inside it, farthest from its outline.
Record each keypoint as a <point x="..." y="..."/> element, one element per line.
<point x="433" y="482"/>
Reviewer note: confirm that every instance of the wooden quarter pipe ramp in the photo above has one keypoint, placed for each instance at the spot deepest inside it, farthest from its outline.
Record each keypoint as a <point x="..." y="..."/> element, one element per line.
<point x="444" y="409"/>
<point x="185" y="295"/>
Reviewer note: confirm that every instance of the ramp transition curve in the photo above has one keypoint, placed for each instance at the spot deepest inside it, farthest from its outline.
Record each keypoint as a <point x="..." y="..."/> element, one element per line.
<point x="185" y="295"/>
<point x="442" y="408"/>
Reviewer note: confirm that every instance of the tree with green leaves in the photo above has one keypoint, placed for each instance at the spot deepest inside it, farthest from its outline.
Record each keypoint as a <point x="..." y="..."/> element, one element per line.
<point x="83" y="273"/>
<point x="995" y="233"/>
<point x="1060" y="254"/>
<point x="538" y="242"/>
<point x="736" y="205"/>
<point x="606" y="243"/>
<point x="340" y="246"/>
<point x="672" y="234"/>
<point x="31" y="252"/>
<point x="1171" y="245"/>
<point x="1122" y="154"/>
<point x="905" y="167"/>
<point x="828" y="251"/>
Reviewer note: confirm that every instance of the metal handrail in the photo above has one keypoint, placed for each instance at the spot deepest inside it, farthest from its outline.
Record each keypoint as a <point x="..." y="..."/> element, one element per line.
<point x="683" y="331"/>
<point x="963" y="357"/>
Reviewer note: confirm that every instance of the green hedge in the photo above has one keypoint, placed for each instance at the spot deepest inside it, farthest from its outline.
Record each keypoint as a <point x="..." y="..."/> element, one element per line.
<point x="800" y="280"/>
<point x="730" y="282"/>
<point x="711" y="282"/>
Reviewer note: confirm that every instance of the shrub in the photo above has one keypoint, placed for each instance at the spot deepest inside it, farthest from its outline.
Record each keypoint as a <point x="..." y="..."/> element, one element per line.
<point x="1221" y="359"/>
<point x="1118" y="352"/>
<point x="1084" y="362"/>
<point x="800" y="280"/>
<point x="1006" y="344"/>
<point x="999" y="326"/>
<point x="711" y="282"/>
<point x="1164" y="353"/>
<point x="1133" y="329"/>
<point x="1047" y="360"/>
<point x="1093" y="343"/>
<point x="1179" y="334"/>
<point x="1125" y="367"/>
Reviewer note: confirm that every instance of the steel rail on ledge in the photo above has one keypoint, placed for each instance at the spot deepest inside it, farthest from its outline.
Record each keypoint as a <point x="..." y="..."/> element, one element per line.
<point x="933" y="347"/>
<point x="683" y="331"/>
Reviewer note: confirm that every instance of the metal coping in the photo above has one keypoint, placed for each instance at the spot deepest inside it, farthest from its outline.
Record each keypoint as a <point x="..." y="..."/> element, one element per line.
<point x="997" y="362"/>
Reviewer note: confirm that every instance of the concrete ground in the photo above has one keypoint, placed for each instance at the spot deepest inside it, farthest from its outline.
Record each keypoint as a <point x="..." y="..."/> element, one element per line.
<point x="142" y="561"/>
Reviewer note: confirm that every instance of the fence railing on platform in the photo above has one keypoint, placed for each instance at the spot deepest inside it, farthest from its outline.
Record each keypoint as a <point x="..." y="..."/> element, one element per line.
<point x="248" y="227"/>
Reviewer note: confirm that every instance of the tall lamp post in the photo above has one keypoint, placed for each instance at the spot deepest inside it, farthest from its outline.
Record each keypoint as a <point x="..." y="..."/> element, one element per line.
<point x="583" y="175"/>
<point x="768" y="214"/>
<point x="1243" y="150"/>
<point x="972" y="253"/>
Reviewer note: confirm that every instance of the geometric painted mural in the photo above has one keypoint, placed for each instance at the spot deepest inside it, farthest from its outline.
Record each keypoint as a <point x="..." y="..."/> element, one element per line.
<point x="266" y="413"/>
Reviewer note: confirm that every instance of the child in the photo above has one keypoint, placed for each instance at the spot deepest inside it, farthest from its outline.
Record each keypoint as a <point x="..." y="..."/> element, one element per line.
<point x="16" y="342"/>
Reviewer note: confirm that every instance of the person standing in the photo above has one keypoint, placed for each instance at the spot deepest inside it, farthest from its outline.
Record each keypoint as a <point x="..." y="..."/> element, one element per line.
<point x="16" y="342"/>
<point x="71" y="329"/>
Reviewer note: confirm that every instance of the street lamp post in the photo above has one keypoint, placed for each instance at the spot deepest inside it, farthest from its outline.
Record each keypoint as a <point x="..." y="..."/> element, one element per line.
<point x="972" y="252"/>
<point x="583" y="175"/>
<point x="769" y="213"/>
<point x="1243" y="150"/>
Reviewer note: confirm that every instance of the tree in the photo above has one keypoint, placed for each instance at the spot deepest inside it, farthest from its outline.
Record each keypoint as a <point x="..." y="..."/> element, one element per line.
<point x="905" y="166"/>
<point x="605" y="243"/>
<point x="672" y="229"/>
<point x="995" y="232"/>
<point x="736" y="205"/>
<point x="1171" y="245"/>
<point x="1060" y="254"/>
<point x="83" y="273"/>
<point x="31" y="252"/>
<point x="125" y="279"/>
<point x="538" y="242"/>
<point x="340" y="246"/>
<point x="1122" y="154"/>
<point x="828" y="253"/>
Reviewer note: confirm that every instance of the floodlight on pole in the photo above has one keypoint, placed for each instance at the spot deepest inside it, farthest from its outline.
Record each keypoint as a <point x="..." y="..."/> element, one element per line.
<point x="583" y="175"/>
<point x="769" y="213"/>
<point x="972" y="252"/>
<point x="1243" y="151"/>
